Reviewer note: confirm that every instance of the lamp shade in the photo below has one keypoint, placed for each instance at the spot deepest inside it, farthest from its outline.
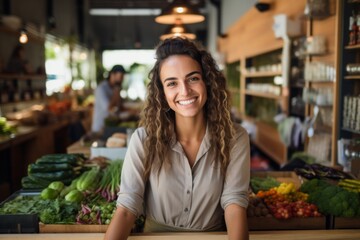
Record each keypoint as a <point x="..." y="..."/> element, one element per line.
<point x="177" y="30"/>
<point x="179" y="9"/>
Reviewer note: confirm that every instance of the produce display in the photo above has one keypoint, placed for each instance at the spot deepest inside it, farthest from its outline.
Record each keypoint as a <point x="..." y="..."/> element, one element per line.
<point x="263" y="184"/>
<point x="332" y="199"/>
<point x="285" y="201"/>
<point x="5" y="128"/>
<point x="49" y="210"/>
<point x="257" y="208"/>
<point x="53" y="167"/>
<point x="315" y="170"/>
<point x="352" y="185"/>
<point x="87" y="197"/>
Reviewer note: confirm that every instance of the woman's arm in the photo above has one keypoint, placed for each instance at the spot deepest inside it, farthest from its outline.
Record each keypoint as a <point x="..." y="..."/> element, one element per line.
<point x="236" y="222"/>
<point x="120" y="225"/>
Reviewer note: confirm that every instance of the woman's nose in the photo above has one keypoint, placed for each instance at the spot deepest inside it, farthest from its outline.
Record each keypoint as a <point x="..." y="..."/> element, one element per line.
<point x="185" y="89"/>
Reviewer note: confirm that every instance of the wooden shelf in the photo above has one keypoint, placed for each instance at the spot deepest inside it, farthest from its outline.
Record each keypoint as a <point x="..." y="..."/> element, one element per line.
<point x="31" y="36"/>
<point x="10" y="76"/>
<point x="319" y="84"/>
<point x="269" y="152"/>
<point x="234" y="90"/>
<point x="352" y="77"/>
<point x="260" y="74"/>
<point x="353" y="46"/>
<point x="351" y="130"/>
<point x="32" y="101"/>
<point x="262" y="94"/>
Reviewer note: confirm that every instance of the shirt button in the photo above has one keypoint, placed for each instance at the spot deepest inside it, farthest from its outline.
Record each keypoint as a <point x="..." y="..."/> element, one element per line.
<point x="188" y="192"/>
<point x="186" y="209"/>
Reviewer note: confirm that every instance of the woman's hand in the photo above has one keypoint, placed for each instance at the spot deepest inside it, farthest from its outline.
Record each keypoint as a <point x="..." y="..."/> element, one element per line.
<point x="120" y="225"/>
<point x="236" y="222"/>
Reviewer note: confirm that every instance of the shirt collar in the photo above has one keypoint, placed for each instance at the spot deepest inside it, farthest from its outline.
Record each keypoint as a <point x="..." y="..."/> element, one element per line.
<point x="204" y="146"/>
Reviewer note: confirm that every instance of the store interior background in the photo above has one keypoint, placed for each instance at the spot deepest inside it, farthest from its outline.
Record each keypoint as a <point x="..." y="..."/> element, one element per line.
<point x="70" y="51"/>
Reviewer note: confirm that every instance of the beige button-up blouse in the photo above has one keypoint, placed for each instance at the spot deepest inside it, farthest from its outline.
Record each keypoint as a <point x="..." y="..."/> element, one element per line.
<point x="183" y="197"/>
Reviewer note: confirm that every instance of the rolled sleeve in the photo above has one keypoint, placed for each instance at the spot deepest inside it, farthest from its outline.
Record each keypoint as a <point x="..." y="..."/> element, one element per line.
<point x="132" y="186"/>
<point x="237" y="177"/>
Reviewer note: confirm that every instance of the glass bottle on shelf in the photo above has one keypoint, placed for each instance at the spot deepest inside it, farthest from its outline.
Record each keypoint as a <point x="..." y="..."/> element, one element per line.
<point x="353" y="29"/>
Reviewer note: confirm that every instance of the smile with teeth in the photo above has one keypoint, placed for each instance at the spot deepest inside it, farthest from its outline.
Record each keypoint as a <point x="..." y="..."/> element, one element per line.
<point x="187" y="102"/>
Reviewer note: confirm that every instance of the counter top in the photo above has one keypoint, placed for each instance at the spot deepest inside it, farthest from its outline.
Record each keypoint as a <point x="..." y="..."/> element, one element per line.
<point x="256" y="235"/>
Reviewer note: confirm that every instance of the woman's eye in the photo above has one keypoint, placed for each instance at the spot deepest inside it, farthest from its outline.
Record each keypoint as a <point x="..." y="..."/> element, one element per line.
<point x="171" y="84"/>
<point x="193" y="79"/>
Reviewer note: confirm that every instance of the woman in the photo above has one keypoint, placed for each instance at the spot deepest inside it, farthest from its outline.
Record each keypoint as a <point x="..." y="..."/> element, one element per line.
<point x="188" y="163"/>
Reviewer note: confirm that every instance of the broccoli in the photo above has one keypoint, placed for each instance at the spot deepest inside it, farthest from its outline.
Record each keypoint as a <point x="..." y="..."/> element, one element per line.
<point x="332" y="199"/>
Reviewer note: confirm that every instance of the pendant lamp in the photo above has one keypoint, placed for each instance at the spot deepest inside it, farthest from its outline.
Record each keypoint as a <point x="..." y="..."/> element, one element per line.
<point x="177" y="30"/>
<point x="179" y="9"/>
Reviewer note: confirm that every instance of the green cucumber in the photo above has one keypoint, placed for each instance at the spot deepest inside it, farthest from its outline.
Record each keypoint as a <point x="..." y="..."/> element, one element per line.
<point x="49" y="167"/>
<point x="73" y="159"/>
<point x="28" y="183"/>
<point x="54" y="176"/>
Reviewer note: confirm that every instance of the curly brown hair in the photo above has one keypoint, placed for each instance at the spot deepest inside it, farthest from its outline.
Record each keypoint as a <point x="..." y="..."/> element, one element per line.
<point x="159" y="120"/>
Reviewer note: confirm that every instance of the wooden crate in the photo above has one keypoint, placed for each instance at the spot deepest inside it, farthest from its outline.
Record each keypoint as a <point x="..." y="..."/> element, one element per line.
<point x="346" y="223"/>
<point x="271" y="223"/>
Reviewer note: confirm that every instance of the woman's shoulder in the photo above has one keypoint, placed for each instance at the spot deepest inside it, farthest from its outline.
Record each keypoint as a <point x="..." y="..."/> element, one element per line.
<point x="140" y="132"/>
<point x="240" y="132"/>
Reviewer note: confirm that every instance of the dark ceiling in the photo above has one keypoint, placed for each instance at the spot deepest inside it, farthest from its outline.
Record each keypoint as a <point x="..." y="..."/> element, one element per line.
<point x="131" y="32"/>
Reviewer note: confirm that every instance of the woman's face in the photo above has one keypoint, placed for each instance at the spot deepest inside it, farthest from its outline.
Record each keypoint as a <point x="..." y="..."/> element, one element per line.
<point x="184" y="88"/>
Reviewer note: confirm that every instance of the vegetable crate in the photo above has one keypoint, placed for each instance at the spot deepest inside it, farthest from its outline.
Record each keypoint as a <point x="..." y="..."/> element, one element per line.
<point x="19" y="223"/>
<point x="293" y="223"/>
<point x="345" y="223"/>
<point x="281" y="176"/>
<point x="271" y="223"/>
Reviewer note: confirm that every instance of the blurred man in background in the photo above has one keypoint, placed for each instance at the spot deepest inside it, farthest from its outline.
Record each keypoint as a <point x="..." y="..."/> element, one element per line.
<point x="107" y="97"/>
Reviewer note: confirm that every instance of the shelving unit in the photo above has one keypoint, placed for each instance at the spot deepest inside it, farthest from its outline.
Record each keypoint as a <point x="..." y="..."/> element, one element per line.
<point x="262" y="94"/>
<point x="348" y="120"/>
<point x="21" y="77"/>
<point x="261" y="74"/>
<point x="18" y="90"/>
<point x="261" y="69"/>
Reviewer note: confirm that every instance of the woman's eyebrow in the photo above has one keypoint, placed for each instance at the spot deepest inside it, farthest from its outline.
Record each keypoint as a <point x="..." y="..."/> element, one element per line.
<point x="192" y="73"/>
<point x="187" y="75"/>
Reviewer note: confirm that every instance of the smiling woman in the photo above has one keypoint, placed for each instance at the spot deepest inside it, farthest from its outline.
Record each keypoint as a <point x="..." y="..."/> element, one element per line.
<point x="184" y="88"/>
<point x="189" y="163"/>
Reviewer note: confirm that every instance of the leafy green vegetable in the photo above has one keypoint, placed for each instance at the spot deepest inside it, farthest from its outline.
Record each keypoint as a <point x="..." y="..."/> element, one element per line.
<point x="263" y="184"/>
<point x="49" y="211"/>
<point x="332" y="199"/>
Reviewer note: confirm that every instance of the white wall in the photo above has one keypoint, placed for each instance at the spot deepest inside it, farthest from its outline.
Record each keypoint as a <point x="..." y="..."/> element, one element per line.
<point x="232" y="10"/>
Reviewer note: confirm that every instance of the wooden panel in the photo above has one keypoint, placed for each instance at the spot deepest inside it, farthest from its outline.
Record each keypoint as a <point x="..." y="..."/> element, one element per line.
<point x="268" y="140"/>
<point x="271" y="223"/>
<point x="326" y="28"/>
<point x="252" y="34"/>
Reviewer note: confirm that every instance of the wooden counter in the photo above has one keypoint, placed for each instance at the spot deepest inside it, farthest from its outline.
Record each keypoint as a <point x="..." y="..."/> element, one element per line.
<point x="258" y="235"/>
<point x="77" y="147"/>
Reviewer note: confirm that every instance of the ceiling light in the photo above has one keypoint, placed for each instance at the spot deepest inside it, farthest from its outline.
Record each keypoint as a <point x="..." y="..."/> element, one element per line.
<point x="23" y="38"/>
<point x="179" y="9"/>
<point x="124" y="12"/>
<point x="177" y="30"/>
